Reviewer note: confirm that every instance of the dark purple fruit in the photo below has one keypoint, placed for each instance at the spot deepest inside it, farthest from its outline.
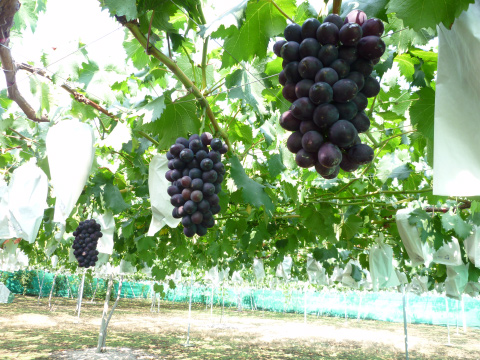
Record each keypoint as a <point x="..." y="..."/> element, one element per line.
<point x="325" y="115"/>
<point x="197" y="184"/>
<point x="328" y="34"/>
<point x="169" y="155"/>
<point x="282" y="78"/>
<point x="216" y="144"/>
<point x="309" y="47"/>
<point x="327" y="75"/>
<point x="309" y="28"/>
<point x="203" y="205"/>
<point x="213" y="200"/>
<point x="347" y="165"/>
<point x="201" y="230"/>
<point x="350" y="34"/>
<point x="186" y="181"/>
<point x="320" y="93"/>
<point x="293" y="32"/>
<point x="176" y="174"/>
<point x="334" y="174"/>
<point x="371" y="87"/>
<point x="335" y="19"/>
<point x="361" y="154"/>
<point x="305" y="159"/>
<point x="373" y="27"/>
<point x="176" y="148"/>
<point x="294" y="142"/>
<point x="208" y="189"/>
<point x="196" y="196"/>
<point x="344" y="90"/>
<point x="371" y="47"/>
<point x="172" y="190"/>
<point x="311" y="141"/>
<point x="200" y="155"/>
<point x="292" y="73"/>
<point x="186" y="155"/>
<point x="308" y="67"/>
<point x="361" y="122"/>
<point x="190" y="231"/>
<point x="219" y="168"/>
<point x="322" y="170"/>
<point x="302" y="109"/>
<point x="360" y="101"/>
<point x="348" y="53"/>
<point x="206" y="138"/>
<point x="308" y="125"/>
<point x="363" y="66"/>
<point x="177" y="163"/>
<point x="190" y="207"/>
<point x="291" y="51"/>
<point x="329" y="155"/>
<point x="206" y="164"/>
<point x="328" y="54"/>
<point x="342" y="133"/>
<point x="196" y="145"/>
<point x="210" y="176"/>
<point x="186" y="193"/>
<point x="187" y="221"/>
<point x="195" y="173"/>
<point x="303" y="87"/>
<point x="223" y="149"/>
<point x="194" y="137"/>
<point x="177" y="200"/>
<point x="215" y="156"/>
<point x="215" y="209"/>
<point x="346" y="110"/>
<point x="341" y="67"/>
<point x="358" y="78"/>
<point x="183" y="141"/>
<point x="289" y="122"/>
<point x="277" y="47"/>
<point x="288" y="92"/>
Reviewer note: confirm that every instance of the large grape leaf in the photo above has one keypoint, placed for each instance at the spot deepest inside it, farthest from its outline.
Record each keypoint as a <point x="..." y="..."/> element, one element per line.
<point x="422" y="112"/>
<point x="178" y="119"/>
<point x="252" y="191"/>
<point x="419" y="14"/>
<point x="122" y="7"/>
<point x="27" y="15"/>
<point x="262" y="22"/>
<point x="451" y="221"/>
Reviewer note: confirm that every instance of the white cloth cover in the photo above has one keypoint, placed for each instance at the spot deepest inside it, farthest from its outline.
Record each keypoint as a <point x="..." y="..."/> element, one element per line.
<point x="457" y="279"/>
<point x="258" y="269"/>
<point x="4" y="294"/>
<point x="70" y="154"/>
<point x="472" y="247"/>
<point x="107" y="222"/>
<point x="159" y="198"/>
<point x="12" y="259"/>
<point x="337" y="274"/>
<point x="402" y="277"/>
<point x="456" y="164"/>
<point x="419" y="285"/>
<point x="315" y="271"/>
<point x="223" y="274"/>
<point x="347" y="279"/>
<point x="418" y="252"/>
<point x="237" y="278"/>
<point x="27" y="201"/>
<point x="285" y="268"/>
<point x="449" y="254"/>
<point x="472" y="289"/>
<point x="381" y="266"/>
<point x="54" y="261"/>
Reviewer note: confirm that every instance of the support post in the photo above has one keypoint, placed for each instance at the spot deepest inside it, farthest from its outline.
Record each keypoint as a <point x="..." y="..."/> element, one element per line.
<point x="405" y="320"/>
<point x="80" y="294"/>
<point x="41" y="286"/>
<point x="448" y="322"/>
<point x="464" y="320"/>
<point x="188" y="344"/>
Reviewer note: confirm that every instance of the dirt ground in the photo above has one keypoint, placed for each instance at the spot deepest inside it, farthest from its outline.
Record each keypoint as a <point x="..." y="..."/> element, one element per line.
<point x="31" y="331"/>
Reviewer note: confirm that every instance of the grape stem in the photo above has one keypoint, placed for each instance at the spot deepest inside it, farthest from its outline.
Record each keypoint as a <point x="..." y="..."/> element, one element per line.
<point x="337" y="4"/>
<point x="281" y="11"/>
<point x="184" y="79"/>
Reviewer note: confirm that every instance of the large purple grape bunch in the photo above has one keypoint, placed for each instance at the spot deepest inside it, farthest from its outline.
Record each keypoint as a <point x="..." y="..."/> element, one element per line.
<point x="327" y="77"/>
<point x="85" y="244"/>
<point x="196" y="173"/>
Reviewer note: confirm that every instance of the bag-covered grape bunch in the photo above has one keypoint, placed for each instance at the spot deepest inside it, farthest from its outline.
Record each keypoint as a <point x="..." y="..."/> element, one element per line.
<point x="327" y="77"/>
<point x="196" y="173"/>
<point x="85" y="244"/>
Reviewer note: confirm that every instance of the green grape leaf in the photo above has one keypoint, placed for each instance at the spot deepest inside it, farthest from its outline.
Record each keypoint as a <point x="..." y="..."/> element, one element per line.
<point x="350" y="227"/>
<point x="252" y="191"/>
<point x="262" y="22"/>
<point x="122" y="7"/>
<point x="419" y="14"/>
<point x="422" y="112"/>
<point x="152" y="110"/>
<point x="357" y="273"/>
<point x="406" y="64"/>
<point x="275" y="165"/>
<point x="113" y="199"/>
<point x="177" y="119"/>
<point x="373" y="8"/>
<point x="451" y="221"/>
<point x="323" y="254"/>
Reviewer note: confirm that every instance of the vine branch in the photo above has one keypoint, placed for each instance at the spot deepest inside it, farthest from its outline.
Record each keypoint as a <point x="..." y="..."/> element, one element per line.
<point x="184" y="79"/>
<point x="337" y="5"/>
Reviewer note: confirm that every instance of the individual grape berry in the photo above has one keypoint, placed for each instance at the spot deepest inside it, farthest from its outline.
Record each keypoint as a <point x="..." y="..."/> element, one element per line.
<point x="214" y="156"/>
<point x="327" y="75"/>
<point x="373" y="27"/>
<point x="176" y="148"/>
<point x="196" y="145"/>
<point x="342" y="133"/>
<point x="356" y="16"/>
<point x="361" y="154"/>
<point x="175" y="174"/>
<point x="206" y="164"/>
<point x="204" y="205"/>
<point x="169" y="155"/>
<point x="171" y="190"/>
<point x="215" y="209"/>
<point x="288" y="92"/>
<point x="358" y="78"/>
<point x="276" y="49"/>
<point x="210" y="176"/>
<point x="308" y="125"/>
<point x="197" y="184"/>
<point x="186" y="155"/>
<point x="178" y="164"/>
<point x="309" y="47"/>
<point x="311" y="141"/>
<point x="305" y="159"/>
<point x="335" y="19"/>
<point x="328" y="54"/>
<point x="329" y="155"/>
<point x="190" y="207"/>
<point x="194" y="137"/>
<point x="322" y="170"/>
<point x="183" y="141"/>
<point x="186" y="193"/>
<point x="190" y="231"/>
<point x="193" y="164"/>
<point x="201" y="230"/>
<point x="294" y="142"/>
<point x="302" y="109"/>
<point x="223" y="149"/>
<point x="344" y="90"/>
<point x="290" y="51"/>
<point x="303" y="87"/>
<point x="177" y="200"/>
<point x="348" y="53"/>
<point x="293" y="32"/>
<point x="195" y="173"/>
<point x="333" y="175"/>
<point x="320" y="93"/>
<point x="208" y="189"/>
<point x="350" y="34"/>
<point x="341" y="67"/>
<point x="218" y="188"/>
<point x="325" y="115"/>
<point x="219" y="168"/>
<point x="196" y="196"/>
<point x="309" y="28"/>
<point x="328" y="34"/>
<point x="216" y="144"/>
<point x="289" y="122"/>
<point x="206" y="138"/>
<point x="347" y="111"/>
<point x="371" y="47"/>
<point x="363" y="66"/>
<point x="213" y="200"/>
<point x="347" y="165"/>
<point x="292" y="72"/>
<point x="361" y="101"/>
<point x="371" y="87"/>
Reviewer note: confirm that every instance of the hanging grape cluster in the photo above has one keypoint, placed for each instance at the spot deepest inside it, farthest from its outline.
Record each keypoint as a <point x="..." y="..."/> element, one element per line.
<point x="196" y="173"/>
<point x="85" y="244"/>
<point x="327" y="77"/>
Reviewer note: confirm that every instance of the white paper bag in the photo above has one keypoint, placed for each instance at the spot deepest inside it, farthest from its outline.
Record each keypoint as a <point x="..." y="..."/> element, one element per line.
<point x="285" y="267"/>
<point x="212" y="275"/>
<point x="472" y="247"/>
<point x="337" y="274"/>
<point x="159" y="198"/>
<point x="382" y="270"/>
<point x="107" y="222"/>
<point x="456" y="164"/>
<point x="27" y="200"/>
<point x="419" y="285"/>
<point x="472" y="289"/>
<point x="315" y="272"/>
<point x="6" y="229"/>
<point x="347" y="279"/>
<point x="70" y="154"/>
<point x="258" y="269"/>
<point x="237" y="278"/>
<point x="457" y="279"/>
<point x="449" y="254"/>
<point x="418" y="252"/>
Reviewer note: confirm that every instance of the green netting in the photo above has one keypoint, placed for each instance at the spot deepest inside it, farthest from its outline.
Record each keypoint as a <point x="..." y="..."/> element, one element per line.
<point x="383" y="306"/>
